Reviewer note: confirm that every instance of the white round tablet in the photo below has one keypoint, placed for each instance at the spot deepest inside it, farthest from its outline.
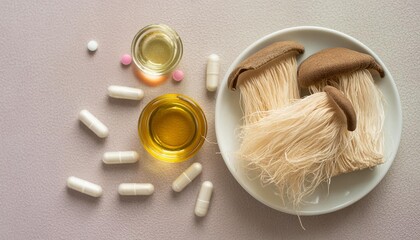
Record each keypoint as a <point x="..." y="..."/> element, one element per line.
<point x="92" y="45"/>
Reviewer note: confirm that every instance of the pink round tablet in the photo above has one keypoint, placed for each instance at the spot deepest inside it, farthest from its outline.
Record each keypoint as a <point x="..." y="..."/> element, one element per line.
<point x="178" y="75"/>
<point x="126" y="59"/>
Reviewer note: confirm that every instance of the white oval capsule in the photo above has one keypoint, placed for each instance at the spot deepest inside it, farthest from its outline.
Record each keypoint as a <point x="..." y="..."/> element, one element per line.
<point x="125" y="92"/>
<point x="213" y="68"/>
<point x="203" y="200"/>
<point x="120" y="157"/>
<point x="84" y="186"/>
<point x="135" y="189"/>
<point x="186" y="177"/>
<point x="93" y="123"/>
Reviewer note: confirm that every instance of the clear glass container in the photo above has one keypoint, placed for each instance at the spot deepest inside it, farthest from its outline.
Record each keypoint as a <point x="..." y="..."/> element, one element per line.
<point x="172" y="128"/>
<point x="156" y="49"/>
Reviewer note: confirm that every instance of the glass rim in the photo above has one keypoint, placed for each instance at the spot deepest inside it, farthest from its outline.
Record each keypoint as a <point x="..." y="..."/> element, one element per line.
<point x="172" y="34"/>
<point x="171" y="156"/>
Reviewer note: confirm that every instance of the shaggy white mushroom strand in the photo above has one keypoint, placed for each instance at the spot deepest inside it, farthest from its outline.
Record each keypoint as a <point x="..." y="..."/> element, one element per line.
<point x="366" y="145"/>
<point x="295" y="147"/>
<point x="272" y="87"/>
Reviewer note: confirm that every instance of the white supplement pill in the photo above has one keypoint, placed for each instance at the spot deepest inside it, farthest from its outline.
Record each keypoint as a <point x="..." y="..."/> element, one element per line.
<point x="212" y="72"/>
<point x="84" y="186"/>
<point x="135" y="189"/>
<point x="93" y="123"/>
<point x="120" y="157"/>
<point x="186" y="177"/>
<point x="92" y="45"/>
<point x="203" y="200"/>
<point x="125" y="92"/>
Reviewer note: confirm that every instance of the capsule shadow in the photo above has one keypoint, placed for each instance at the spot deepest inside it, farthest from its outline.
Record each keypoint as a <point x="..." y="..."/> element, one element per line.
<point x="174" y="194"/>
<point x="211" y="95"/>
<point x="81" y="196"/>
<point x="138" y="198"/>
<point x="116" y="167"/>
<point x="125" y="66"/>
<point x="197" y="219"/>
<point x="177" y="196"/>
<point x="91" y="53"/>
<point x="193" y="186"/>
<point x="87" y="131"/>
<point x="123" y="102"/>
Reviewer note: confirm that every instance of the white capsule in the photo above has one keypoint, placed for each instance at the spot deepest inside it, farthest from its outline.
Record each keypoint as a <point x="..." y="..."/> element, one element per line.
<point x="120" y="157"/>
<point x="93" y="123"/>
<point x="134" y="189"/>
<point x="84" y="186"/>
<point x="203" y="200"/>
<point x="186" y="177"/>
<point x="125" y="92"/>
<point x="92" y="45"/>
<point x="213" y="67"/>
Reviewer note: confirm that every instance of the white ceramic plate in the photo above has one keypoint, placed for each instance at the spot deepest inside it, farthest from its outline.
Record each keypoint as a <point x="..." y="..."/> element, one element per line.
<point x="344" y="189"/>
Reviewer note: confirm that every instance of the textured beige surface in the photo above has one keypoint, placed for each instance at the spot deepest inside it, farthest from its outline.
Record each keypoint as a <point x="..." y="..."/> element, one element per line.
<point x="47" y="77"/>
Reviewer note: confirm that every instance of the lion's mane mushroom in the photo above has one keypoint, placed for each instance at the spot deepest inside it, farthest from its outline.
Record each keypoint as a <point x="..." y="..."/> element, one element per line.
<point x="267" y="79"/>
<point x="296" y="147"/>
<point x="348" y="71"/>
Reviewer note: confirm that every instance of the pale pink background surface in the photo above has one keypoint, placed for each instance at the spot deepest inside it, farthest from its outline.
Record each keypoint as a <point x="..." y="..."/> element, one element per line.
<point x="47" y="76"/>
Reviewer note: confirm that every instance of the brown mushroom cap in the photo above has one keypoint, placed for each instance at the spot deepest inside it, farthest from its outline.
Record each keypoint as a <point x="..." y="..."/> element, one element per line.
<point x="275" y="51"/>
<point x="343" y="105"/>
<point x="332" y="62"/>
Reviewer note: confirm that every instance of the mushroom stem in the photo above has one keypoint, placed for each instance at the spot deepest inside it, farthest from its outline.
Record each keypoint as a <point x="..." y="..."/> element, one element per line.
<point x="267" y="79"/>
<point x="270" y="87"/>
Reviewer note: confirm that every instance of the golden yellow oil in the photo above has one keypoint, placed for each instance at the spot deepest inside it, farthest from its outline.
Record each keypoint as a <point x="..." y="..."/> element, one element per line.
<point x="156" y="49"/>
<point x="172" y="127"/>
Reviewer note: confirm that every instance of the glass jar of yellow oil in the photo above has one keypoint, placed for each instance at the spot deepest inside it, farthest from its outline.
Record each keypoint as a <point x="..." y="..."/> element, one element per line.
<point x="156" y="49"/>
<point x="172" y="128"/>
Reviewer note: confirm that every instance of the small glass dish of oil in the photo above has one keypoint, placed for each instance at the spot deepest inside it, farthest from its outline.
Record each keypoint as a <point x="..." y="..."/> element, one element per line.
<point x="156" y="49"/>
<point x="172" y="127"/>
